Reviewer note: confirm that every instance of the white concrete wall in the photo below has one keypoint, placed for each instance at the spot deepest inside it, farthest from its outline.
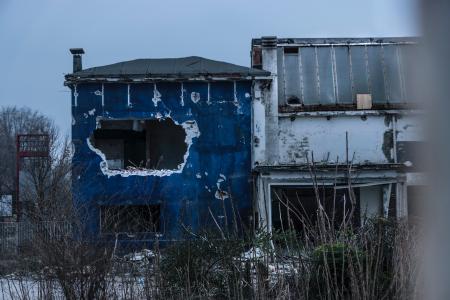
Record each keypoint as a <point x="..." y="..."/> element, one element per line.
<point x="327" y="140"/>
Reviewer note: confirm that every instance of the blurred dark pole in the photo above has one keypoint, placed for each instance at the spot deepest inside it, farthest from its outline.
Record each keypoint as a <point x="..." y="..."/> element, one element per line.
<point x="435" y="92"/>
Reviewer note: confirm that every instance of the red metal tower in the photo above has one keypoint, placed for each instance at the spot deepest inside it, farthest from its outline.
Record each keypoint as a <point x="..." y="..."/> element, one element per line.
<point x="29" y="145"/>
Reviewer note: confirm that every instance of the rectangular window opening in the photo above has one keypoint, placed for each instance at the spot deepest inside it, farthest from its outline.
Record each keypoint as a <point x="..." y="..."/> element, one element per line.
<point x="297" y="208"/>
<point x="292" y="76"/>
<point x="130" y="219"/>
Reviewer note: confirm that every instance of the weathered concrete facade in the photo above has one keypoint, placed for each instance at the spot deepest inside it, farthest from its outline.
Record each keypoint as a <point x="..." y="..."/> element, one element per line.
<point x="165" y="140"/>
<point x="310" y="125"/>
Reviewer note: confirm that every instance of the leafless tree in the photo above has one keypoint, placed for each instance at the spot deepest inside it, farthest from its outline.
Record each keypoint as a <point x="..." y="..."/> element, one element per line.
<point x="13" y="121"/>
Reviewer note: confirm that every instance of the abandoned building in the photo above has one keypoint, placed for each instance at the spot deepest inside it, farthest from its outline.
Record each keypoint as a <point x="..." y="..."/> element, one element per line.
<point x="329" y="124"/>
<point x="160" y="143"/>
<point x="337" y="113"/>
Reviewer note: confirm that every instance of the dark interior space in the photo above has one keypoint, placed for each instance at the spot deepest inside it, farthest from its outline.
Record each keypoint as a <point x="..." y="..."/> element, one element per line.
<point x="392" y="209"/>
<point x="130" y="218"/>
<point x="293" y="207"/>
<point x="166" y="144"/>
<point x="416" y="196"/>
<point x="121" y="144"/>
<point x="412" y="151"/>
<point x="151" y="144"/>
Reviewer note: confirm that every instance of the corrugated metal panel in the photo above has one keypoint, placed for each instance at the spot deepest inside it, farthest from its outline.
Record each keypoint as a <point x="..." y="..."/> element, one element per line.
<point x="392" y="73"/>
<point x="309" y="75"/>
<point x="376" y="73"/>
<point x="325" y="72"/>
<point x="359" y="70"/>
<point x="335" y="74"/>
<point x="343" y="75"/>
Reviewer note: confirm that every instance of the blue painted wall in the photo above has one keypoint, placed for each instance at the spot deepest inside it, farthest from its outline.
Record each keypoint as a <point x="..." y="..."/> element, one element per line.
<point x="223" y="147"/>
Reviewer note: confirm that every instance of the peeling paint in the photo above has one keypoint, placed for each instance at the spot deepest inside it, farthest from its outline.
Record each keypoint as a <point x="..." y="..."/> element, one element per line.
<point x="220" y="193"/>
<point x="208" y="101"/>
<point x="103" y="95"/>
<point x="388" y="145"/>
<point x="182" y="95"/>
<point x="156" y="95"/>
<point x="128" y="96"/>
<point x="193" y="182"/>
<point x="195" y="97"/>
<point x="75" y="95"/>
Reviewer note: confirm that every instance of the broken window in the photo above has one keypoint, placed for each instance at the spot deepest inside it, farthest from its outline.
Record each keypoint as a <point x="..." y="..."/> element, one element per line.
<point x="297" y="208"/>
<point x="130" y="219"/>
<point x="147" y="144"/>
<point x="292" y="76"/>
<point x="327" y="74"/>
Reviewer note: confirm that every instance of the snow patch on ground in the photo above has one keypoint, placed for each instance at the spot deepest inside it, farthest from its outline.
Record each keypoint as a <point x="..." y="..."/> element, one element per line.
<point x="252" y="253"/>
<point x="140" y="256"/>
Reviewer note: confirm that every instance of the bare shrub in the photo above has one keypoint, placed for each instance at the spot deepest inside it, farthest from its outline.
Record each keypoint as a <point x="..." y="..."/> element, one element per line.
<point x="329" y="258"/>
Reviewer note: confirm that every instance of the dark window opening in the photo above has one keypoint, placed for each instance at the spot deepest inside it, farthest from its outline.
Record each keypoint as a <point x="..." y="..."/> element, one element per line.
<point x="295" y="207"/>
<point x="150" y="144"/>
<point x="294" y="100"/>
<point x="292" y="76"/>
<point x="392" y="209"/>
<point x="416" y="194"/>
<point x="130" y="219"/>
<point x="290" y="50"/>
<point x="412" y="152"/>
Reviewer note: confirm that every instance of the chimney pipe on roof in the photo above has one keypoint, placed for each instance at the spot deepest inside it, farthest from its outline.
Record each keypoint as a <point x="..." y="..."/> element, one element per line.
<point x="77" y="62"/>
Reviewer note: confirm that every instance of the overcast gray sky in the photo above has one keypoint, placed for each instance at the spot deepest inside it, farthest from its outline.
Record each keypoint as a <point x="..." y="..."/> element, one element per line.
<point x="35" y="35"/>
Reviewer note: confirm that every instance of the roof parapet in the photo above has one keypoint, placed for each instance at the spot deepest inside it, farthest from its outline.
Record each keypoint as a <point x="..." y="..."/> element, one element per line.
<point x="269" y="41"/>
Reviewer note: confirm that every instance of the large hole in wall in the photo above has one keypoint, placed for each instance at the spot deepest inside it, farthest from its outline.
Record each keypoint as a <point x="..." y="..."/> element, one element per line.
<point x="144" y="144"/>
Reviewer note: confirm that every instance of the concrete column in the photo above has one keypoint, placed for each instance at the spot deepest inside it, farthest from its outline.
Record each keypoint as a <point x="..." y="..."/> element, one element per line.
<point x="269" y="63"/>
<point x="258" y="126"/>
<point x="263" y="204"/>
<point x="402" y="201"/>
